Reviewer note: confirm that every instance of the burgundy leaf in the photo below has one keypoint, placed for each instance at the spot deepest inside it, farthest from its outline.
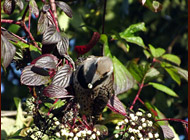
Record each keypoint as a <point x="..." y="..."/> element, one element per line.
<point x="65" y="7"/>
<point x="62" y="77"/>
<point x="7" y="51"/>
<point x="56" y="92"/>
<point x="168" y="133"/>
<point x="47" y="61"/>
<point x="42" y="23"/>
<point x="51" y="36"/>
<point x="9" y="6"/>
<point x="34" y="76"/>
<point x="115" y="105"/>
<point x="34" y="8"/>
<point x="62" y="46"/>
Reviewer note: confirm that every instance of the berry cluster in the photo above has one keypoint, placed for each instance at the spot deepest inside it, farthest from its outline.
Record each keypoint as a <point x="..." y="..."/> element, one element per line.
<point x="137" y="126"/>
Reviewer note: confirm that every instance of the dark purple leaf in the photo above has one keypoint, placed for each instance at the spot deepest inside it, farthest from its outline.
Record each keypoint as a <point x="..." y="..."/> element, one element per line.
<point x="33" y="76"/>
<point x="65" y="7"/>
<point x="56" y="92"/>
<point x="9" y="6"/>
<point x="47" y="61"/>
<point x="168" y="133"/>
<point x="7" y="51"/>
<point x="42" y="23"/>
<point x="115" y="105"/>
<point x="62" y="46"/>
<point x="20" y="4"/>
<point x="46" y="7"/>
<point x="34" y="8"/>
<point x="62" y="77"/>
<point x="51" y="36"/>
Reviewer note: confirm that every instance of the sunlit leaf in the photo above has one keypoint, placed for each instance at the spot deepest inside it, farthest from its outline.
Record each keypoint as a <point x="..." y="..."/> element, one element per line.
<point x="172" y="58"/>
<point x="20" y="4"/>
<point x="7" y="52"/>
<point x="8" y="35"/>
<point x="47" y="61"/>
<point x="172" y="72"/>
<point x="51" y="36"/>
<point x="34" y="76"/>
<point x="104" y="41"/>
<point x="62" y="77"/>
<point x="182" y="72"/>
<point x="62" y="46"/>
<point x="46" y="7"/>
<point x="135" y="40"/>
<point x="34" y="8"/>
<point x="156" y="52"/>
<point x="132" y="29"/>
<point x="168" y="133"/>
<point x="123" y="79"/>
<point x="147" y="54"/>
<point x="54" y="91"/>
<point x="42" y="23"/>
<point x="65" y="8"/>
<point x="163" y="88"/>
<point x="9" y="6"/>
<point x="19" y="117"/>
<point x="116" y="105"/>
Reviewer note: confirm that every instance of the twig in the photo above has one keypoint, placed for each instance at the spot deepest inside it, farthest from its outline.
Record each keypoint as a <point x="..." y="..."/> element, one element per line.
<point x="54" y="20"/>
<point x="104" y="14"/>
<point x="20" y="38"/>
<point x="172" y="119"/>
<point x="10" y="21"/>
<point x="137" y="96"/>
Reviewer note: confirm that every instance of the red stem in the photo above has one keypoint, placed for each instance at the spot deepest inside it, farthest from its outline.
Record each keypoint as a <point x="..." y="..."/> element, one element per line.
<point x="54" y="20"/>
<point x="10" y="21"/>
<point x="172" y="119"/>
<point x="30" y="35"/>
<point x="137" y="96"/>
<point x="140" y="101"/>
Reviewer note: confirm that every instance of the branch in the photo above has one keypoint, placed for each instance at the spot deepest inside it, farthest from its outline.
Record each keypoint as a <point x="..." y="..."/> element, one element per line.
<point x="104" y="14"/>
<point x="10" y="21"/>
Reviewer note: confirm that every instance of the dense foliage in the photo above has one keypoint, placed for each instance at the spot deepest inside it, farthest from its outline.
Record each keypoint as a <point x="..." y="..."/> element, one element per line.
<point x="41" y="45"/>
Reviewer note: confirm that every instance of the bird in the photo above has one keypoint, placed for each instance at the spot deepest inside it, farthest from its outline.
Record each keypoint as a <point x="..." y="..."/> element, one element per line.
<point x="93" y="85"/>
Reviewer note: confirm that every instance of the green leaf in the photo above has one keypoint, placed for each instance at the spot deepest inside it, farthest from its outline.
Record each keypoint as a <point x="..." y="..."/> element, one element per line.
<point x="156" y="52"/>
<point x="151" y="74"/>
<point x="182" y="72"/>
<point x="135" y="40"/>
<point x="147" y="54"/>
<point x="172" y="72"/>
<point x="34" y="52"/>
<point x="104" y="41"/>
<point x="134" y="28"/>
<point x="163" y="88"/>
<point x="123" y="79"/>
<point x="172" y="58"/>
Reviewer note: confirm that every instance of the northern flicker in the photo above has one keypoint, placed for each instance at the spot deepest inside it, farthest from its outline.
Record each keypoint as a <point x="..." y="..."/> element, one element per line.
<point x="93" y="85"/>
